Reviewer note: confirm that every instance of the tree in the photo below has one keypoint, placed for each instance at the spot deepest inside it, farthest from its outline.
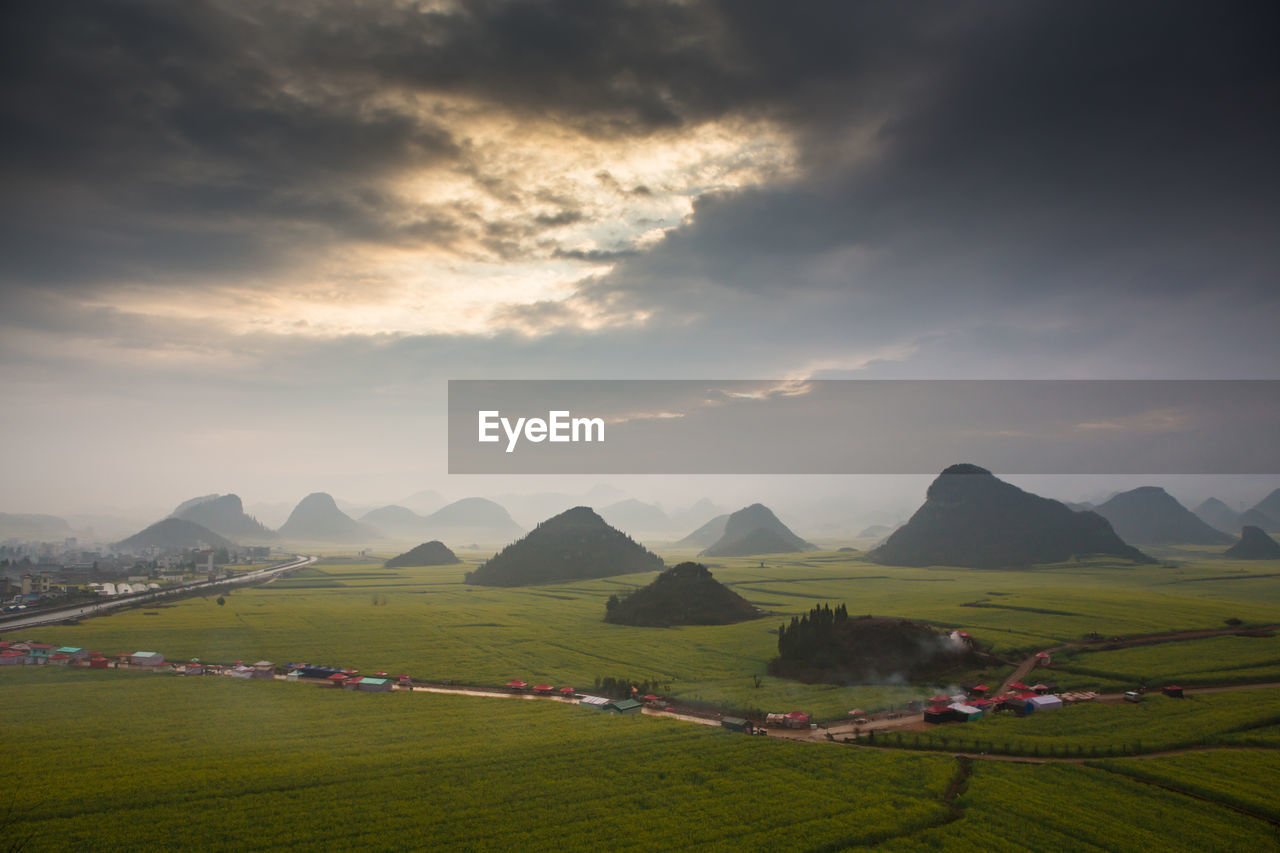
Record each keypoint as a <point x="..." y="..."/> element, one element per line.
<point x="221" y="601"/>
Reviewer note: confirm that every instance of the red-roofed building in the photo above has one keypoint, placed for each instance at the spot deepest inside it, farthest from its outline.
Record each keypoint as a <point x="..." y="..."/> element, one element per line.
<point x="12" y="657"/>
<point x="797" y="720"/>
<point x="567" y="691"/>
<point x="517" y="684"/>
<point x="543" y="689"/>
<point x="1173" y="691"/>
<point x="979" y="688"/>
<point x="99" y="662"/>
<point x="404" y="681"/>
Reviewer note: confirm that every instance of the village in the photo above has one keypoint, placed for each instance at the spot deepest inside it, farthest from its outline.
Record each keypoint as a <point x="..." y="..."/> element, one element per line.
<point x="963" y="706"/>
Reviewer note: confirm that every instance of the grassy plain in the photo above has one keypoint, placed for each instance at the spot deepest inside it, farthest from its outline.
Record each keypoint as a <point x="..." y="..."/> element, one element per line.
<point x="426" y="622"/>
<point x="152" y="761"/>
<point x="1019" y="807"/>
<point x="1213" y="660"/>
<point x="133" y="760"/>
<point x="1090" y="729"/>
<point x="1244" y="778"/>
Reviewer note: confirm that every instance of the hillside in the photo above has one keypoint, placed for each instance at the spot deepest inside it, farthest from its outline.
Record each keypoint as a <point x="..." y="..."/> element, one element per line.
<point x="432" y="553"/>
<point x="1258" y="518"/>
<point x="706" y="535"/>
<point x="395" y="521"/>
<point x="1270" y="506"/>
<point x="971" y="518"/>
<point x="173" y="534"/>
<point x="1150" y="515"/>
<point x="471" y="520"/>
<point x="317" y="518"/>
<point x="1218" y="515"/>
<point x="631" y="514"/>
<point x="573" y="545"/>
<point x="32" y="526"/>
<point x="224" y="515"/>
<point x="1254" y="544"/>
<point x="755" y="530"/>
<point x="825" y="645"/>
<point x="685" y="594"/>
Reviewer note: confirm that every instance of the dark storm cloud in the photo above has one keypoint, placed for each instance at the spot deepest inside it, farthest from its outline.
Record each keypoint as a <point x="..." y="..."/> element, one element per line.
<point x="963" y="165"/>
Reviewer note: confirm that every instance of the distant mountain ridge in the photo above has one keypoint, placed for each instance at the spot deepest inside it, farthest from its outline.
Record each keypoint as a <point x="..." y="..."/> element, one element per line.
<point x="1218" y="515"/>
<point x="224" y="515"/>
<point x="576" y="544"/>
<point x="1270" y="508"/>
<point x="317" y="518"/>
<point x="755" y="530"/>
<point x="706" y="535"/>
<point x="22" y="525"/>
<point x="173" y="534"/>
<point x="971" y="518"/>
<point x="1150" y="515"/>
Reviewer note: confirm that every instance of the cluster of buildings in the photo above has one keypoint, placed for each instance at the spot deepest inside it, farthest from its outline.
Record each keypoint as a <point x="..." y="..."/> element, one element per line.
<point x="46" y="654"/>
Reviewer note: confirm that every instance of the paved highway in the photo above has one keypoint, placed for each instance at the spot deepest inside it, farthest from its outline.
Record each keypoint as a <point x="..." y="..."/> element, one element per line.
<point x="83" y="611"/>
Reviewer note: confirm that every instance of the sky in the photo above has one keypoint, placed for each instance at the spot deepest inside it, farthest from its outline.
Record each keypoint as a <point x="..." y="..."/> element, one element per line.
<point x="246" y="244"/>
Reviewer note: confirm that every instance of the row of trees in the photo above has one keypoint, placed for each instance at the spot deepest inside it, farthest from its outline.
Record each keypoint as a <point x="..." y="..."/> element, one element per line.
<point x="810" y="632"/>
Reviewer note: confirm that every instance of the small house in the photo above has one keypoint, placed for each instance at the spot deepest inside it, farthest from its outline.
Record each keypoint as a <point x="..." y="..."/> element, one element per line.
<point x="337" y="679"/>
<point x="737" y="724"/>
<point x="978" y="690"/>
<point x="59" y="659"/>
<point x="241" y="671"/>
<point x="264" y="669"/>
<point x="797" y="720"/>
<point x="39" y="654"/>
<point x="567" y="692"/>
<point x="1042" y="659"/>
<point x="146" y="659"/>
<point x="965" y="713"/>
<point x="194" y="668"/>
<point x="623" y="706"/>
<point x="543" y="689"/>
<point x="374" y="685"/>
<point x="517" y="684"/>
<point x="99" y="662"/>
<point x="597" y="702"/>
<point x="74" y="652"/>
<point x="1044" y="703"/>
<point x="1020" y="705"/>
<point x="12" y="657"/>
<point x="1173" y="691"/>
<point x="404" y="681"/>
<point x="937" y="714"/>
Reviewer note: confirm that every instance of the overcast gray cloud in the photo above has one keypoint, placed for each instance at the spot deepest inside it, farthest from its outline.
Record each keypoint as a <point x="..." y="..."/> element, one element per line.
<point x="284" y="205"/>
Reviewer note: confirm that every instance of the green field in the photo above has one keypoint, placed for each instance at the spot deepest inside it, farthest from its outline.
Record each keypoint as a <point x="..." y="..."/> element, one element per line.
<point x="1213" y="660"/>
<point x="1015" y="808"/>
<point x="428" y="623"/>
<point x="160" y="762"/>
<point x="153" y="760"/>
<point x="1092" y="728"/>
<point x="135" y="760"/>
<point x="1244" y="778"/>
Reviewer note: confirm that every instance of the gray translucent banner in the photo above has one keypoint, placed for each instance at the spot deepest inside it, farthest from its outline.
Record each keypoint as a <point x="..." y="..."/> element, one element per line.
<point x="863" y="427"/>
